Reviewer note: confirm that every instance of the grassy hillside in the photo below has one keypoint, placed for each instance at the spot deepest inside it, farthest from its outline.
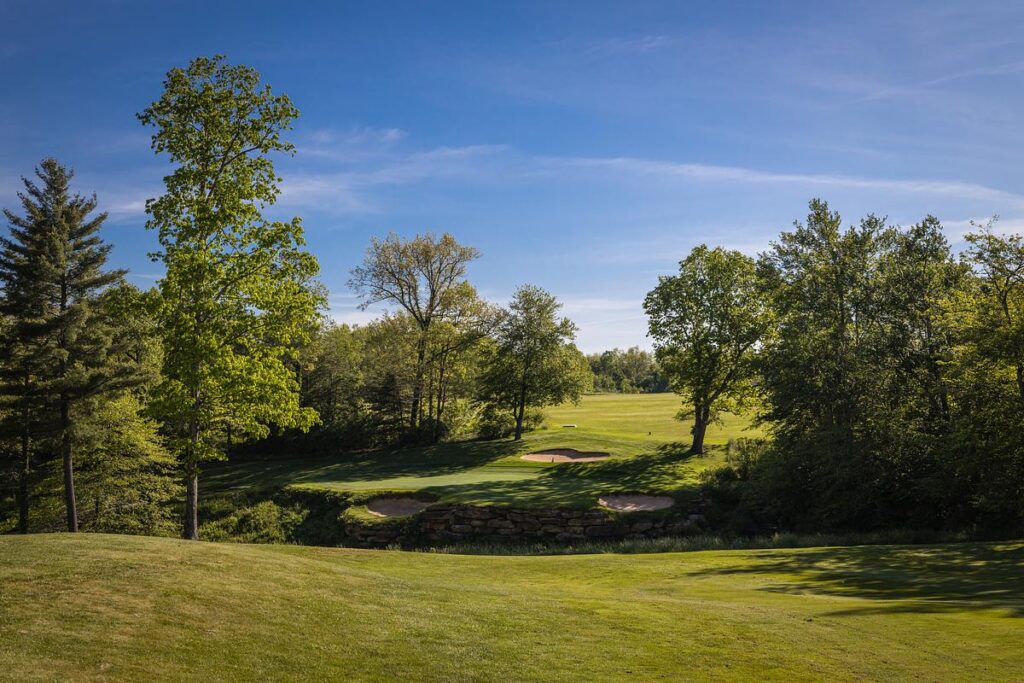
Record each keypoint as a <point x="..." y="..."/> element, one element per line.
<point x="95" y="607"/>
<point x="639" y="431"/>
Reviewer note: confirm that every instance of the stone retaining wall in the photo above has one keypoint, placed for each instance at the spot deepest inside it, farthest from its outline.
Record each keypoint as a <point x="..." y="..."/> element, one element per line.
<point x="445" y="523"/>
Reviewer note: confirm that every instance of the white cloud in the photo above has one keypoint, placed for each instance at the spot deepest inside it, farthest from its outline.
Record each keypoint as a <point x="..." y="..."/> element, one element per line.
<point x="956" y="229"/>
<point x="350" y="191"/>
<point x="736" y="174"/>
<point x="331" y="143"/>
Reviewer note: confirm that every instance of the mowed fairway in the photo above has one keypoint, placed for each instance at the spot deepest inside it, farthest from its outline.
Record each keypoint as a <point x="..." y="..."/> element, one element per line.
<point x="642" y="416"/>
<point x="646" y="442"/>
<point x="93" y="607"/>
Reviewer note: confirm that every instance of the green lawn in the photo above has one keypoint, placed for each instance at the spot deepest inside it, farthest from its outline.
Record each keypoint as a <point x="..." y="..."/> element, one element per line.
<point x="647" y="417"/>
<point x="93" y="607"/>
<point x="640" y="431"/>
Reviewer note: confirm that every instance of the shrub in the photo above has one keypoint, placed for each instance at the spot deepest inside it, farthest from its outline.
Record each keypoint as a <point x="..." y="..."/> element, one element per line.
<point x="264" y="522"/>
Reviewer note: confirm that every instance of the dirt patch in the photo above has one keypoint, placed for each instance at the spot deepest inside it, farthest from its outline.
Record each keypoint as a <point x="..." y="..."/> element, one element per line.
<point x="635" y="503"/>
<point x="565" y="455"/>
<point x="395" y="507"/>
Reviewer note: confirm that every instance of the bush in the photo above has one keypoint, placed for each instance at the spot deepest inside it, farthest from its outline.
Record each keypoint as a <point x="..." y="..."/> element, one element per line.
<point x="264" y="522"/>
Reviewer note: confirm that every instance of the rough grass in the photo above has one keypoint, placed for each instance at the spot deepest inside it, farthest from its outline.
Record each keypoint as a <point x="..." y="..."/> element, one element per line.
<point x="640" y="431"/>
<point x="93" y="607"/>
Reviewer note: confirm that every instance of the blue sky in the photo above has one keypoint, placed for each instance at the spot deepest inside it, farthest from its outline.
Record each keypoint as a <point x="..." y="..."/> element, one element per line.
<point x="584" y="147"/>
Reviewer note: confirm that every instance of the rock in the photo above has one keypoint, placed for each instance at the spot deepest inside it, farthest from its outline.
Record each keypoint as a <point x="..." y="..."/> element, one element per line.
<point x="500" y="524"/>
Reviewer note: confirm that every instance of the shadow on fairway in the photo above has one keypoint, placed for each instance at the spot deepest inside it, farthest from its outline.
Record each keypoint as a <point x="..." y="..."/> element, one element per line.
<point x="579" y="485"/>
<point x="367" y="466"/>
<point x="902" y="579"/>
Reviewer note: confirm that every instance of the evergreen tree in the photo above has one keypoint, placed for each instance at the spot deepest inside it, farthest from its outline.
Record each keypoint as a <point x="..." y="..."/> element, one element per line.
<point x="61" y="342"/>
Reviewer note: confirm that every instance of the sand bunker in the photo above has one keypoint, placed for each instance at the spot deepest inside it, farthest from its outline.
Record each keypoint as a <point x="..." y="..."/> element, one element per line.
<point x="633" y="503"/>
<point x="565" y="455"/>
<point x="395" y="507"/>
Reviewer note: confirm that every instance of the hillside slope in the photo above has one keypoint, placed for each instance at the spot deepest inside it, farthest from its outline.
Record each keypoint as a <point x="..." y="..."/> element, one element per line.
<point x="94" y="607"/>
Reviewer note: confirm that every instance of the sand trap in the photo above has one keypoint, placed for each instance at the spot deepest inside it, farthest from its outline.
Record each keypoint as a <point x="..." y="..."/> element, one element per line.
<point x="565" y="455"/>
<point x="395" y="507"/>
<point x="631" y="503"/>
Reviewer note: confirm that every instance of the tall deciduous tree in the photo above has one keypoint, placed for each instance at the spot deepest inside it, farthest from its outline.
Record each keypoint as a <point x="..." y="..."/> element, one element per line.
<point x="706" y="322"/>
<point x="52" y="268"/>
<point x="425" y="277"/>
<point x="237" y="296"/>
<point x="534" y="362"/>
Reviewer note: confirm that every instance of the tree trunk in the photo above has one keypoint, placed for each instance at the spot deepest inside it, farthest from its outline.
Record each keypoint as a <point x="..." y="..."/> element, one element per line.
<point x="69" y="469"/>
<point x="417" y="389"/>
<point x="1020" y="380"/>
<point x="700" y="427"/>
<point x="191" y="530"/>
<point x="26" y="469"/>
<point x="520" y="411"/>
<point x="436" y="426"/>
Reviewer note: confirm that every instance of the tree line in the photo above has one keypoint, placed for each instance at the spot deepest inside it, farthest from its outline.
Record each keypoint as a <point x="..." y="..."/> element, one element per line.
<point x="112" y="399"/>
<point x="887" y="370"/>
<point x="628" y="371"/>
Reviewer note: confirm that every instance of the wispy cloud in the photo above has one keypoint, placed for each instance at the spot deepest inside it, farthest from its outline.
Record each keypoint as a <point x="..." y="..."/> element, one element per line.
<point x="344" y="145"/>
<point x="957" y="229"/>
<point x="350" y="191"/>
<point x="626" y="45"/>
<point x="736" y="174"/>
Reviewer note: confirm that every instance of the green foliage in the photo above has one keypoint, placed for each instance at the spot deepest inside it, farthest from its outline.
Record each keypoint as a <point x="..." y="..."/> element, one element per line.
<point x="237" y="297"/>
<point x="264" y="522"/>
<point x="60" y="346"/>
<point x="533" y="362"/>
<point x="707" y="322"/>
<point x="128" y="480"/>
<point x="629" y="371"/>
<point x="424" y="278"/>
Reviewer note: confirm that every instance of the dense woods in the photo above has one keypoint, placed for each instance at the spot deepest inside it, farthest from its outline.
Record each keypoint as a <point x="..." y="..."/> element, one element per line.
<point x="889" y="380"/>
<point x="886" y="367"/>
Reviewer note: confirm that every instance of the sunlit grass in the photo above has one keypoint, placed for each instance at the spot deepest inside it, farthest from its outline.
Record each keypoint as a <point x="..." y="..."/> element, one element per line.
<point x="639" y="431"/>
<point x="94" y="607"/>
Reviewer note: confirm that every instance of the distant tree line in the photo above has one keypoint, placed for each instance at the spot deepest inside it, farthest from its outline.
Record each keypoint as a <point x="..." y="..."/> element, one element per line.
<point x="887" y="370"/>
<point x="629" y="371"/>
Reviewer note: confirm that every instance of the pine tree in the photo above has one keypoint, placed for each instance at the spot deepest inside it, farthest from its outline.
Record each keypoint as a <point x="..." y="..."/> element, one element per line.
<point x="61" y="344"/>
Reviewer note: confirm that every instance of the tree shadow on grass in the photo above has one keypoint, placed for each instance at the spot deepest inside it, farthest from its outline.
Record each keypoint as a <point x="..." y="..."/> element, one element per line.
<point x="899" y="579"/>
<point x="449" y="458"/>
<point x="579" y="485"/>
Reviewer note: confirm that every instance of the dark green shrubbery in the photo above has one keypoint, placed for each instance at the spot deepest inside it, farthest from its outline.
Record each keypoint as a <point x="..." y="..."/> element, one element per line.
<point x="264" y="522"/>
